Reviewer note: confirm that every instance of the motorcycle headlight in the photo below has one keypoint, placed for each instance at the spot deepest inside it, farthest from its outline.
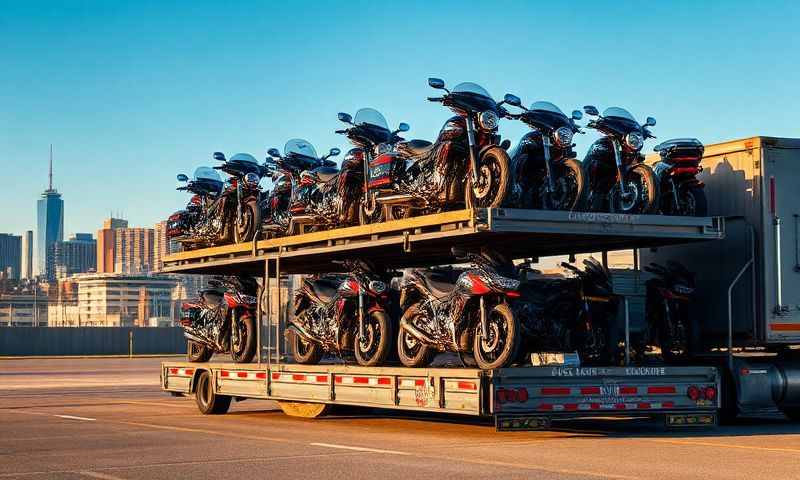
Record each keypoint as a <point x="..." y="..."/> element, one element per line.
<point x="507" y="283"/>
<point x="383" y="148"/>
<point x="488" y="120"/>
<point x="563" y="136"/>
<point x="683" y="289"/>
<point x="251" y="179"/>
<point x="377" y="286"/>
<point x="634" y="141"/>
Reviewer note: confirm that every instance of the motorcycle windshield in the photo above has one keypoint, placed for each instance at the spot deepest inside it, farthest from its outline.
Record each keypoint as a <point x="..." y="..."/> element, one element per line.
<point x="548" y="107"/>
<point x="472" y="89"/>
<point x="370" y="117"/>
<point x="620" y="113"/>
<point x="299" y="147"/>
<point x="244" y="158"/>
<point x="206" y="173"/>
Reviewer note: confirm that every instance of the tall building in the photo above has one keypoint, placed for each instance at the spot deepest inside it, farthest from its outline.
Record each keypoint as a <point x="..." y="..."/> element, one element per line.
<point x="161" y="245"/>
<point x="112" y="300"/>
<point x="26" y="262"/>
<point x="106" y="244"/>
<point x="76" y="255"/>
<point x="133" y="251"/>
<point x="50" y="222"/>
<point x="10" y="256"/>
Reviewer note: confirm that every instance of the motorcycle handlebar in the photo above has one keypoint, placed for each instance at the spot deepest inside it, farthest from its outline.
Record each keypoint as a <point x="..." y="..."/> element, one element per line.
<point x="569" y="266"/>
<point x="435" y="99"/>
<point x="340" y="131"/>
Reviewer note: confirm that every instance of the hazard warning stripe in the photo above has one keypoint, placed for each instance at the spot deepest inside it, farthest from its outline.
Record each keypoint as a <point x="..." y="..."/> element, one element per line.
<point x="785" y="327"/>
<point x="181" y="372"/>
<point x="299" y="378"/>
<point x="411" y="382"/>
<point x="359" y="380"/>
<point x="572" y="407"/>
<point x="242" y="375"/>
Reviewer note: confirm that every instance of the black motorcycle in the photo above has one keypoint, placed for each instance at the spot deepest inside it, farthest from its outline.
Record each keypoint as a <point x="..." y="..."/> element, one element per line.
<point x="466" y="164"/>
<point x="222" y="320"/>
<point x="202" y="222"/>
<point x="545" y="171"/>
<point x="242" y="194"/>
<point x="618" y="180"/>
<point x="342" y="313"/>
<point x="370" y="134"/>
<point x="298" y="156"/>
<point x="669" y="294"/>
<point x="681" y="192"/>
<point x="459" y="310"/>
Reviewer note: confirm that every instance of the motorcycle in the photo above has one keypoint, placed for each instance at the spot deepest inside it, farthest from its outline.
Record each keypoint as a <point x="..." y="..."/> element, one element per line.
<point x="202" y="222"/>
<point x="459" y="310"/>
<point x="244" y="192"/>
<point x="298" y="156"/>
<point x="681" y="192"/>
<point x="222" y="320"/>
<point x="370" y="134"/>
<point x="618" y="179"/>
<point x="420" y="176"/>
<point x="342" y="313"/>
<point x="545" y="171"/>
<point x="669" y="293"/>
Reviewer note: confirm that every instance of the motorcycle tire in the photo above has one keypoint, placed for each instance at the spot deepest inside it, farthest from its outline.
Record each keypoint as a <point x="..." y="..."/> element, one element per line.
<point x="305" y="353"/>
<point x="207" y="400"/>
<point x="197" y="352"/>
<point x="503" y="342"/>
<point x="248" y="345"/>
<point x="251" y="219"/>
<point x="367" y="218"/>
<point x="374" y="352"/>
<point x="412" y="352"/>
<point x="694" y="199"/>
<point x="569" y="184"/>
<point x="495" y="170"/>
<point x="681" y="351"/>
<point x="642" y="180"/>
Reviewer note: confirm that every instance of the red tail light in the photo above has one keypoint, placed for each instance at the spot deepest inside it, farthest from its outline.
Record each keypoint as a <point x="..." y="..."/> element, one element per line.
<point x="513" y="294"/>
<point x="693" y="393"/>
<point x="711" y="393"/>
<point x="505" y="395"/>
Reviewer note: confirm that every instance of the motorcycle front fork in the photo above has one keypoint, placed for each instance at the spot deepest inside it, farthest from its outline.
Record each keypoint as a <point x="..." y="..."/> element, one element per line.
<point x="473" y="156"/>
<point x="618" y="163"/>
<point x="361" y="331"/>
<point x="234" y="330"/>
<point x="675" y="195"/>
<point x="238" y="203"/>
<point x="547" y="166"/>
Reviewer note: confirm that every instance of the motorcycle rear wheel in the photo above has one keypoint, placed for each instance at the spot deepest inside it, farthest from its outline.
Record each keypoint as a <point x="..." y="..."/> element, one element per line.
<point x="376" y="347"/>
<point x="197" y="352"/>
<point x="642" y="192"/>
<point x="693" y="202"/>
<point x="245" y="230"/>
<point x="247" y="340"/>
<point x="568" y="181"/>
<point x="502" y="344"/>
<point x="494" y="179"/>
<point x="412" y="352"/>
<point x="305" y="353"/>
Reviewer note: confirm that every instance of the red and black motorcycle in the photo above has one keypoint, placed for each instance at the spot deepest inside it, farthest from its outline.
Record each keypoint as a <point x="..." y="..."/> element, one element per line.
<point x="342" y="314"/>
<point x="201" y="222"/>
<point x="681" y="192"/>
<point x="222" y="320"/>
<point x="465" y="164"/>
<point x="669" y="294"/>
<point x="459" y="310"/>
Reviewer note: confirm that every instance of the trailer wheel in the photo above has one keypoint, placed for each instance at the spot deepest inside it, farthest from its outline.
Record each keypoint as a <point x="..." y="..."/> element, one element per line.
<point x="792" y="412"/>
<point x="207" y="400"/>
<point x="304" y="409"/>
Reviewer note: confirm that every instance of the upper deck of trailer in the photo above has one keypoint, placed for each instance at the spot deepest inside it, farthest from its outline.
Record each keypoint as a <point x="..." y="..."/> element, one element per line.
<point x="427" y="240"/>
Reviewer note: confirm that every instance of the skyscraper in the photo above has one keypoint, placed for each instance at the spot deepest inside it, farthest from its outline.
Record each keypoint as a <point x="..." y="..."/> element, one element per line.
<point x="26" y="262"/>
<point x="106" y="244"/>
<point x="50" y="221"/>
<point x="161" y="245"/>
<point x="10" y="255"/>
<point x="76" y="255"/>
<point x="133" y="252"/>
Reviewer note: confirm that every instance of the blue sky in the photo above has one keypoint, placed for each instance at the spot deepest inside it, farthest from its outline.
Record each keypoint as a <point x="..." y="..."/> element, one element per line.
<point x="132" y="93"/>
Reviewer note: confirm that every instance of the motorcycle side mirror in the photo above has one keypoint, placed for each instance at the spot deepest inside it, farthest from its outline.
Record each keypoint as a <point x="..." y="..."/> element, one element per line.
<point x="403" y="127"/>
<point x="577" y="115"/>
<point x="273" y="152"/>
<point x="182" y="177"/>
<point x="345" y="117"/>
<point x="458" y="253"/>
<point x="512" y="100"/>
<point x="591" y="110"/>
<point x="650" y="122"/>
<point x="436" y="83"/>
<point x="334" y="152"/>
<point x="219" y="156"/>
<point x="505" y="144"/>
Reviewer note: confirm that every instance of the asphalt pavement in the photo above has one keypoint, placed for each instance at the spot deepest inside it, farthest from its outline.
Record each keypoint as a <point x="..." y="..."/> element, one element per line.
<point x="107" y="419"/>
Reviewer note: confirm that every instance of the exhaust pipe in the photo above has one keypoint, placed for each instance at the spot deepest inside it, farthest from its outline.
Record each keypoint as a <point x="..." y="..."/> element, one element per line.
<point x="195" y="338"/>
<point x="395" y="199"/>
<point x="415" y="332"/>
<point x="300" y="333"/>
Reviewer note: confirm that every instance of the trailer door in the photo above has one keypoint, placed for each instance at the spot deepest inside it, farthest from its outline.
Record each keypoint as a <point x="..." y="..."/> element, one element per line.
<point x="782" y="243"/>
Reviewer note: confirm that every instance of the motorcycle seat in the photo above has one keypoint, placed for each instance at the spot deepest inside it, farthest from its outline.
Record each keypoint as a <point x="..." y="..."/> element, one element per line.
<point x="439" y="283"/>
<point x="326" y="173"/>
<point x="414" y="148"/>
<point x="325" y="289"/>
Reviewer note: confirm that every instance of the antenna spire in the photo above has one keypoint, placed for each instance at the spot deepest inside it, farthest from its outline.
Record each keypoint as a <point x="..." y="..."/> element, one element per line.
<point x="51" y="167"/>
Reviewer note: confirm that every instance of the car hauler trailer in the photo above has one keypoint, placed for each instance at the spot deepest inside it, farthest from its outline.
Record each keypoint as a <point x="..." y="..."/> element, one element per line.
<point x="747" y="302"/>
<point x="518" y="397"/>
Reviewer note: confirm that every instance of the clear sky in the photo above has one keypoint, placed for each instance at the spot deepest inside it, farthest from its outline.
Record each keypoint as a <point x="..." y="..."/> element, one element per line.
<point x="132" y="93"/>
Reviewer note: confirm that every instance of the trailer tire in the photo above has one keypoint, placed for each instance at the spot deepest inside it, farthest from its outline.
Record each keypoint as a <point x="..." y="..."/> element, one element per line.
<point x="304" y="409"/>
<point x="207" y="400"/>
<point x="305" y="353"/>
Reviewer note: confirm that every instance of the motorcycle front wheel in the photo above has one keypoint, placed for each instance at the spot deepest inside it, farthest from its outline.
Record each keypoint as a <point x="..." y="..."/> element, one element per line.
<point x="305" y="353"/>
<point x="494" y="180"/>
<point x="500" y="346"/>
<point x="244" y="230"/>
<point x="568" y="184"/>
<point x="374" y="347"/>
<point x="641" y="191"/>
<point x="197" y="352"/>
<point x="369" y="214"/>
<point x="412" y="352"/>
<point x="245" y="349"/>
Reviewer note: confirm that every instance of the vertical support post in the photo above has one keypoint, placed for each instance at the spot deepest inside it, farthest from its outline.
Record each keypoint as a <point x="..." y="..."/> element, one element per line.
<point x="130" y="343"/>
<point x="268" y="297"/>
<point x="278" y="336"/>
<point x="730" y="310"/>
<point x="604" y="256"/>
<point x="259" y="319"/>
<point x="627" y="332"/>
